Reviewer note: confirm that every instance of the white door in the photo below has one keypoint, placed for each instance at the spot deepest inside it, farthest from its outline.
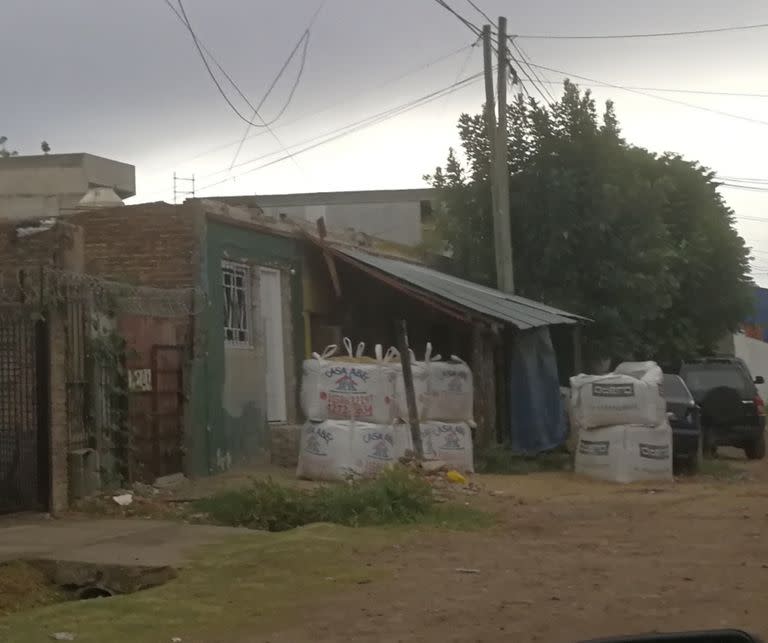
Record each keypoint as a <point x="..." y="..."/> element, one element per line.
<point x="272" y="316"/>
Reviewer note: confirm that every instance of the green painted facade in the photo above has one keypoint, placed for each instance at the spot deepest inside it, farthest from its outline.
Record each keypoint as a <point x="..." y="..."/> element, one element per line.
<point x="216" y="439"/>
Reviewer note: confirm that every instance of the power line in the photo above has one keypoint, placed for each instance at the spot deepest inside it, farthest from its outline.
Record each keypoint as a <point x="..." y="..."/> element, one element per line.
<point x="414" y="102"/>
<point x="660" y="34"/>
<point x="480" y="11"/>
<point x="215" y="80"/>
<point x="305" y="39"/>
<point x="676" y="90"/>
<point x="736" y="179"/>
<point x="661" y="98"/>
<point x="351" y="128"/>
<point x="471" y="26"/>
<point x="201" y="49"/>
<point x="750" y="188"/>
<point x="541" y="87"/>
<point x="330" y="106"/>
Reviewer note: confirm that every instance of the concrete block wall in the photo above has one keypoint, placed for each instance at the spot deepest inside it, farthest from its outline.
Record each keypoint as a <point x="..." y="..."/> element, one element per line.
<point x="284" y="444"/>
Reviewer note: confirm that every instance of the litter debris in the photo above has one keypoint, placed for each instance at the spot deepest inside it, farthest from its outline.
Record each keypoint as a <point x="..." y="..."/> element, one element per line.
<point x="176" y="639"/>
<point x="467" y="570"/>
<point x="432" y="466"/>
<point x="124" y="499"/>
<point x="456" y="477"/>
<point x="63" y="636"/>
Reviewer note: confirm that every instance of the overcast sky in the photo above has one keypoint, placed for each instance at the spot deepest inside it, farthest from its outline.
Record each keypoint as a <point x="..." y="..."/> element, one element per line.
<point x="123" y="80"/>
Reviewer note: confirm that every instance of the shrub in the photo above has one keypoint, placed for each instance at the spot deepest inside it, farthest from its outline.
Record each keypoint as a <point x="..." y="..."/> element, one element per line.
<point x="396" y="496"/>
<point x="501" y="459"/>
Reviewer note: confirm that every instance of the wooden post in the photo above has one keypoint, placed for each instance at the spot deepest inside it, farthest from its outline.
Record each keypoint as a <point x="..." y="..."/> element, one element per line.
<point x="410" y="395"/>
<point x="505" y="280"/>
<point x="578" y="365"/>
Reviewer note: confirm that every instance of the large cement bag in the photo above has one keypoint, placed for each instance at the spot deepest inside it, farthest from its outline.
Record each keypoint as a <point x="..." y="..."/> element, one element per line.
<point x="448" y="442"/>
<point x="649" y="372"/>
<point x="348" y="388"/>
<point x="450" y="393"/>
<point x="340" y="449"/>
<point x="625" y="453"/>
<point x="616" y="399"/>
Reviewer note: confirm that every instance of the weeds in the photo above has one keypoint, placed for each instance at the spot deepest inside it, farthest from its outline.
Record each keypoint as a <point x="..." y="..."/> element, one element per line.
<point x="720" y="470"/>
<point x="397" y="496"/>
<point x="501" y="459"/>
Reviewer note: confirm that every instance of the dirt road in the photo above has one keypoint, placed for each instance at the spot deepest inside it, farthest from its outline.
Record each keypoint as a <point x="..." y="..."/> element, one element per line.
<point x="570" y="560"/>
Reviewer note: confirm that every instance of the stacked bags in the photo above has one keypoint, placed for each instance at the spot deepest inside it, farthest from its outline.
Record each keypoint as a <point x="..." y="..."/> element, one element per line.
<point x="355" y="405"/>
<point x="623" y="434"/>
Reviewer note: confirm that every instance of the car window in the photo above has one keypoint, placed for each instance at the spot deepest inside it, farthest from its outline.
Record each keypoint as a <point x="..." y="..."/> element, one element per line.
<point x="673" y="388"/>
<point x="702" y="378"/>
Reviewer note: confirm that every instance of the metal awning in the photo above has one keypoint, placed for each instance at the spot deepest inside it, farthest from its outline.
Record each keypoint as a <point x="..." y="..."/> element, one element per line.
<point x="520" y="312"/>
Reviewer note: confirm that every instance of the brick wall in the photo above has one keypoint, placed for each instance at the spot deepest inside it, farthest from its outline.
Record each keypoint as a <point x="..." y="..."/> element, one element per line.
<point x="150" y="245"/>
<point x="22" y="257"/>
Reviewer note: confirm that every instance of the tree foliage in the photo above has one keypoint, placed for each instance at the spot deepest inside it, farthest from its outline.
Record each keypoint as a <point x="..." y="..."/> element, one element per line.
<point x="641" y="243"/>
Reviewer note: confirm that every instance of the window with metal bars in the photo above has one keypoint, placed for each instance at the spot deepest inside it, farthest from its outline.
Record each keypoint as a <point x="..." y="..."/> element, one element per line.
<point x="236" y="282"/>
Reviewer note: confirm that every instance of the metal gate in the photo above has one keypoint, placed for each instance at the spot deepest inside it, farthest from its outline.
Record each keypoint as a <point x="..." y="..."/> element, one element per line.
<point x="168" y="408"/>
<point x="24" y="420"/>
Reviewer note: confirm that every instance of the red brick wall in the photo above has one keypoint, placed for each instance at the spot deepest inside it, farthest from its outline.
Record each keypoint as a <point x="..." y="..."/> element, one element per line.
<point x="149" y="245"/>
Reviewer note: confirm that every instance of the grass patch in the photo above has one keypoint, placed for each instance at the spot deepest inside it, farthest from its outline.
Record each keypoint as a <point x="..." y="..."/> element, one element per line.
<point x="397" y="496"/>
<point x="501" y="459"/>
<point x="239" y="590"/>
<point x="720" y="470"/>
<point x="24" y="586"/>
<point x="457" y="517"/>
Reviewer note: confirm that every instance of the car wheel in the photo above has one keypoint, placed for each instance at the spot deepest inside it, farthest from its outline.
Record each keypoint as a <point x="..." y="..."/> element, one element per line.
<point x="755" y="450"/>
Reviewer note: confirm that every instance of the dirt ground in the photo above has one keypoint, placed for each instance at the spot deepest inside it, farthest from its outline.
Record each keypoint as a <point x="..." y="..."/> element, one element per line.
<point x="569" y="560"/>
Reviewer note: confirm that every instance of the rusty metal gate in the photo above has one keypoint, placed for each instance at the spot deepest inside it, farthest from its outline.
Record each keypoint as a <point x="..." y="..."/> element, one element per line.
<point x="24" y="414"/>
<point x="168" y="408"/>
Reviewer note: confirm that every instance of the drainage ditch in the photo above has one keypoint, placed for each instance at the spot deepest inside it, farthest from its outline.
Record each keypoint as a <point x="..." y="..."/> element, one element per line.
<point x="26" y="584"/>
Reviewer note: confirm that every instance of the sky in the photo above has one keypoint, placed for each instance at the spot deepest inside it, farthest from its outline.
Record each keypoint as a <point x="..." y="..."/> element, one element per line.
<point x="124" y="80"/>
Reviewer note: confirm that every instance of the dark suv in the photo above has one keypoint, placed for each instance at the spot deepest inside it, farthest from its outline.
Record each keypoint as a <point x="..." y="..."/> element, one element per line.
<point x="732" y="411"/>
<point x="684" y="417"/>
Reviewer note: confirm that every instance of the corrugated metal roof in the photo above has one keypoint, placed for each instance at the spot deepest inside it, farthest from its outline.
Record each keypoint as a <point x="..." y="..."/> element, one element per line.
<point x="520" y="312"/>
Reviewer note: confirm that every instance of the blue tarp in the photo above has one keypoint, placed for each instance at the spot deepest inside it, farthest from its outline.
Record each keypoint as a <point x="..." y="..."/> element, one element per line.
<point x="537" y="421"/>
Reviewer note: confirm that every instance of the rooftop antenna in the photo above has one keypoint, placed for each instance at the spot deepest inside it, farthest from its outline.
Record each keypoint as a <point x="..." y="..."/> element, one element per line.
<point x="179" y="182"/>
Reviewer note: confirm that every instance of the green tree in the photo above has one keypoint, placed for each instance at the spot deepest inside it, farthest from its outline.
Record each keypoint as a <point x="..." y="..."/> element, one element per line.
<point x="638" y="242"/>
<point x="4" y="152"/>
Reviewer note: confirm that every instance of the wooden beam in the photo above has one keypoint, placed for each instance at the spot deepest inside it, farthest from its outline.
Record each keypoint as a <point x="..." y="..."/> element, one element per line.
<point x="331" y="263"/>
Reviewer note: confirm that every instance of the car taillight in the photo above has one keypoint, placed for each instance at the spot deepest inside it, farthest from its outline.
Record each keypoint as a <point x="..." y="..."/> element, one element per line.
<point x="759" y="405"/>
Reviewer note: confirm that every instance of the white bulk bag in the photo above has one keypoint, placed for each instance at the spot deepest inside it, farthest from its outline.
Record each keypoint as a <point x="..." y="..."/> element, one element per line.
<point x="448" y="442"/>
<point x="340" y="449"/>
<point x="649" y="372"/>
<point x="615" y="399"/>
<point x="348" y="390"/>
<point x="625" y="453"/>
<point x="420" y="372"/>
<point x="450" y="394"/>
<point x="313" y="398"/>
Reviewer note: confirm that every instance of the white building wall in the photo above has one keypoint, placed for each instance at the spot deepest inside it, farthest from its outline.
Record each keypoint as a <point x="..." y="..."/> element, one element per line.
<point x="755" y="355"/>
<point x="398" y="222"/>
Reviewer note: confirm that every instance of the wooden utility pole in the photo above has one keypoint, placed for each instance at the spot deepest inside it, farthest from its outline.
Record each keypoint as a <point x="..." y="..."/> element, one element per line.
<point x="410" y="394"/>
<point x="490" y="126"/>
<point x="501" y="216"/>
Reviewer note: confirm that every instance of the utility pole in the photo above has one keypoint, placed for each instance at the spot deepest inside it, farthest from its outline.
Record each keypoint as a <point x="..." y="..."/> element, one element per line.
<point x="502" y="226"/>
<point x="490" y="126"/>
